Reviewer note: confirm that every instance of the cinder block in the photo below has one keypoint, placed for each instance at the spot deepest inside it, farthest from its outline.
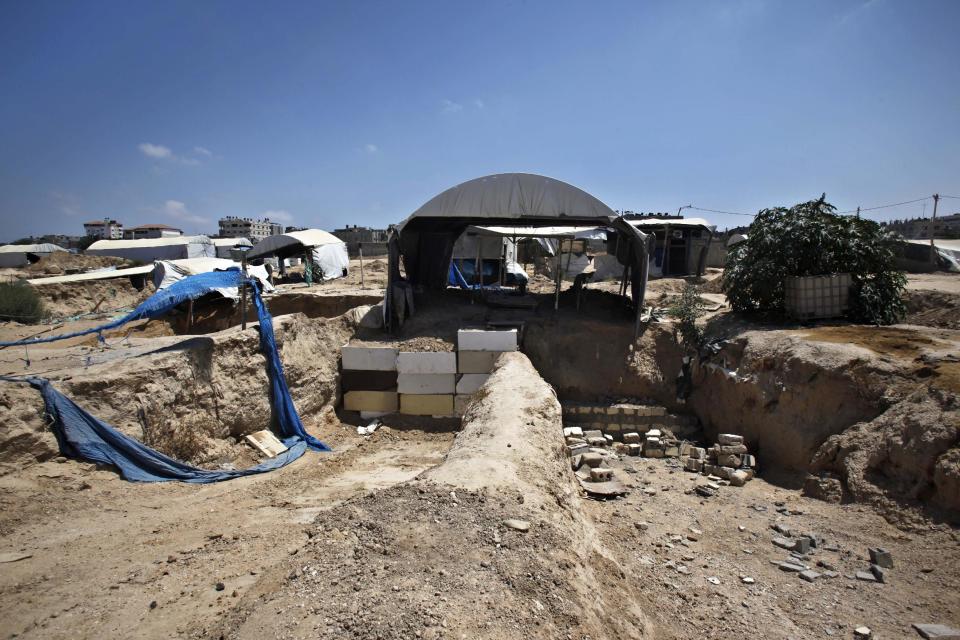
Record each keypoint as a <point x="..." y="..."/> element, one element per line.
<point x="359" y="358"/>
<point x="426" y="405"/>
<point x="426" y="362"/>
<point x="460" y="403"/>
<point x="477" y="361"/>
<point x="370" y="400"/>
<point x="480" y="340"/>
<point x="427" y="383"/>
<point x="470" y="383"/>
<point x="631" y="438"/>
<point x="368" y="380"/>
<point x="727" y="439"/>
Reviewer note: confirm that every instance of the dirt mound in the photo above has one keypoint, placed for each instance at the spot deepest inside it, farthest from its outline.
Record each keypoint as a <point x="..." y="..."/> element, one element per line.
<point x="76" y="298"/>
<point x="194" y="401"/>
<point x="61" y="262"/>
<point x="907" y="456"/>
<point x="434" y="558"/>
<point x="933" y="308"/>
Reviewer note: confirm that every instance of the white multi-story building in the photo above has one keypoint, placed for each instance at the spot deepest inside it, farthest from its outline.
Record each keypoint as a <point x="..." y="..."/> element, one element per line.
<point x="152" y="231"/>
<point x="255" y="230"/>
<point x="106" y="229"/>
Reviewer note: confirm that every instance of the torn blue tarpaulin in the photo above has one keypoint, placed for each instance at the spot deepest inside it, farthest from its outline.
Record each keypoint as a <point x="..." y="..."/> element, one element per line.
<point x="81" y="435"/>
<point x="72" y="424"/>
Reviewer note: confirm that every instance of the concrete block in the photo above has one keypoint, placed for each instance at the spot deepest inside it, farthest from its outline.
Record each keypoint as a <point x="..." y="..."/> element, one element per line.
<point x="480" y="340"/>
<point x="654" y="433"/>
<point x="593" y="433"/>
<point x="370" y="415"/>
<point x="632" y="438"/>
<point x="421" y="362"/>
<point x="699" y="453"/>
<point x="470" y="383"/>
<point x="367" y="380"/>
<point x="578" y="449"/>
<point x="573" y="431"/>
<point x="937" y="631"/>
<point x="368" y="358"/>
<point x="878" y="572"/>
<point x="601" y="474"/>
<point x="865" y="576"/>
<point x="427" y="383"/>
<point x="693" y="464"/>
<point x="634" y="449"/>
<point x="460" y="404"/>
<point x="597" y="441"/>
<point x="724" y="472"/>
<point x="672" y="452"/>
<point x="729" y="439"/>
<point x="426" y="405"/>
<point x="480" y="362"/>
<point x="733" y="449"/>
<point x="370" y="401"/>
<point x="726" y="460"/>
<point x="653" y="452"/>
<point x="881" y="557"/>
<point x="738" y="478"/>
<point x="613" y="427"/>
<point x="592" y="460"/>
<point x="809" y="575"/>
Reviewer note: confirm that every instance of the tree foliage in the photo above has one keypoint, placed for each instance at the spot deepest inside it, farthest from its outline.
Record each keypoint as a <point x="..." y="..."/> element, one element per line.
<point x="810" y="239"/>
<point x="19" y="302"/>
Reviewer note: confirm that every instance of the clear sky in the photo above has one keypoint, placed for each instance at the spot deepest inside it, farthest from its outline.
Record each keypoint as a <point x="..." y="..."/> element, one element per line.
<point x="353" y="112"/>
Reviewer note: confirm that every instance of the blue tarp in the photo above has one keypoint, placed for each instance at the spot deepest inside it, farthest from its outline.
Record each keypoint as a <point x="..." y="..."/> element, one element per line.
<point x="82" y="435"/>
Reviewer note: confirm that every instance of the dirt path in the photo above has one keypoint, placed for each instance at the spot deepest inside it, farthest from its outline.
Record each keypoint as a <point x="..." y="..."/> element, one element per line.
<point x="103" y="549"/>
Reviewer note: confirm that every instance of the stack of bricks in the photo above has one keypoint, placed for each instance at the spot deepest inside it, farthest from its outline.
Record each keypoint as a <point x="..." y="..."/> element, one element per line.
<point x="643" y="429"/>
<point x="477" y="351"/>
<point x="377" y="380"/>
<point x="369" y="380"/>
<point x="728" y="459"/>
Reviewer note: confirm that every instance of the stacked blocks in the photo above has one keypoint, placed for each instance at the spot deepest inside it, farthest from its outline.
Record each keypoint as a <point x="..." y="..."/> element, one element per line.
<point x="646" y="430"/>
<point x="477" y="352"/>
<point x="728" y="459"/>
<point x="426" y="382"/>
<point x="369" y="379"/>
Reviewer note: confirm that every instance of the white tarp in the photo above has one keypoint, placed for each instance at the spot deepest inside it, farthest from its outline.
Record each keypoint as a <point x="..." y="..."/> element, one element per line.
<point x="225" y="245"/>
<point x="150" y="249"/>
<point x="332" y="260"/>
<point x="513" y="195"/>
<point x="648" y="223"/>
<point x="15" y="255"/>
<point x="166" y="272"/>
<point x="949" y="251"/>
<point x="327" y="250"/>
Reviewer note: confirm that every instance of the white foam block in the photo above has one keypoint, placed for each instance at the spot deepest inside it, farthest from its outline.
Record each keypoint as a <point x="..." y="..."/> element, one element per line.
<point x="427" y="383"/>
<point x="368" y="358"/>
<point x="480" y="340"/>
<point x="427" y="362"/>
<point x="469" y="383"/>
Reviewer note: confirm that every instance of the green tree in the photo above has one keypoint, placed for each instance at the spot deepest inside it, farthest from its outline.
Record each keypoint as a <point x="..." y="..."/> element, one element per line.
<point x="687" y="310"/>
<point x="810" y="239"/>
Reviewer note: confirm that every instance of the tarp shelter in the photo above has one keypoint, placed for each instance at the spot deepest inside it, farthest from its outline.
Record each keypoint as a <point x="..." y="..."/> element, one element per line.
<point x="918" y="255"/>
<point x="20" y="255"/>
<point x="225" y="245"/>
<point x="327" y="251"/>
<point x="150" y="249"/>
<point x="426" y="239"/>
<point x="681" y="244"/>
<point x="167" y="272"/>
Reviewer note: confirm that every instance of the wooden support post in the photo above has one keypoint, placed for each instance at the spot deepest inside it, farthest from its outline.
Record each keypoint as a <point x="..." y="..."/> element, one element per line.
<point x="243" y="293"/>
<point x="360" y="249"/>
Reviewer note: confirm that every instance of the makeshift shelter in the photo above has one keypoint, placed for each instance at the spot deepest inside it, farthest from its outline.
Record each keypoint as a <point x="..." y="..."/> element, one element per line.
<point x="20" y="255"/>
<point x="167" y="272"/>
<point x="915" y="255"/>
<point x="327" y="252"/>
<point x="150" y="249"/>
<point x="426" y="239"/>
<point x="681" y="244"/>
<point x="224" y="246"/>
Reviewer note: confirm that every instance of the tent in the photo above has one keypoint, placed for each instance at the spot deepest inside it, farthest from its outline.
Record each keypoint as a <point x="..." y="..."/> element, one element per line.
<point x="166" y="272"/>
<point x="150" y="249"/>
<point x="425" y="240"/>
<point x="20" y="255"/>
<point x="327" y="251"/>
<point x="681" y="244"/>
<point x="225" y="245"/>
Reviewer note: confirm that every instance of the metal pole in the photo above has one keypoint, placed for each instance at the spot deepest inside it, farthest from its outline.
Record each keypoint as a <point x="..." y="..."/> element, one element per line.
<point x="243" y="293"/>
<point x="556" y="293"/>
<point x="360" y="248"/>
<point x="933" y="220"/>
<point x="477" y="275"/>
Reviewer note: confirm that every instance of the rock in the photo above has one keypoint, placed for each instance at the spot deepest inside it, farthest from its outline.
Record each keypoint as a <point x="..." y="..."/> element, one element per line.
<point x="881" y="557"/>
<point x="632" y="438"/>
<point x="790" y="567"/>
<point x="642" y="526"/>
<point x="727" y="439"/>
<point x="713" y="580"/>
<point x="802" y="545"/>
<point x="747" y="580"/>
<point x="517" y="525"/>
<point x="809" y="575"/>
<point x="219" y="586"/>
<point x="936" y="631"/>
<point x="865" y="576"/>
<point x="738" y="478"/>
<point x="153" y="604"/>
<point x="826" y="488"/>
<point x="878" y="572"/>
<point x="783" y="543"/>
<point x="862" y="632"/>
<point x="573" y="432"/>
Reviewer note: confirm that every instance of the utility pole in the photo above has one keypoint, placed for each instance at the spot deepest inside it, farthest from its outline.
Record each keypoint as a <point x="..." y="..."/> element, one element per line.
<point x="933" y="221"/>
<point x="858" y="212"/>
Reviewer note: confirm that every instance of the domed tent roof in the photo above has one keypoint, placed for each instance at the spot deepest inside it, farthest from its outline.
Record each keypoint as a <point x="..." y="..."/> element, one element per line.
<point x="509" y="196"/>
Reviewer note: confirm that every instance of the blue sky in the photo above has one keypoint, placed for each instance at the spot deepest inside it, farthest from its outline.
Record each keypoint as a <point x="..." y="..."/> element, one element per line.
<point x="358" y="112"/>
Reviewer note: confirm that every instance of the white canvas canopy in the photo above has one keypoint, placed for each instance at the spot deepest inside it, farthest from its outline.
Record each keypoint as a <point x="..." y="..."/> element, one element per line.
<point x="166" y="272"/>
<point x="225" y="245"/>
<point x="327" y="250"/>
<point x="150" y="249"/>
<point x="649" y="223"/>
<point x="16" y="255"/>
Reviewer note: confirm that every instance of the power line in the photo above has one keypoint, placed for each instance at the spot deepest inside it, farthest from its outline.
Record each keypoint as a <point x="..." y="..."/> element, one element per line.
<point x="887" y="206"/>
<point x="731" y="213"/>
<point x="954" y="197"/>
<point x="861" y="209"/>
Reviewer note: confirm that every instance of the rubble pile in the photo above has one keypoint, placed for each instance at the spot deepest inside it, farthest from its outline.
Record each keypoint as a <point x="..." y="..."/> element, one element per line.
<point x="633" y="429"/>
<point x="728" y="460"/>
